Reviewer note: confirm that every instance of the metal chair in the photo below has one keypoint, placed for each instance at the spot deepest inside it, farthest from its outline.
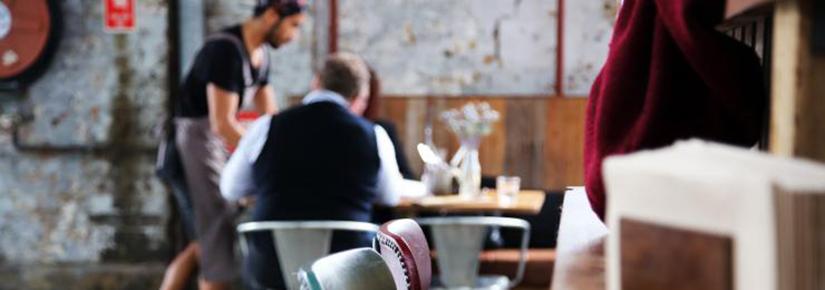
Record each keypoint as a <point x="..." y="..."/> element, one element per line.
<point x="359" y="269"/>
<point x="299" y="243"/>
<point x="404" y="247"/>
<point x="459" y="241"/>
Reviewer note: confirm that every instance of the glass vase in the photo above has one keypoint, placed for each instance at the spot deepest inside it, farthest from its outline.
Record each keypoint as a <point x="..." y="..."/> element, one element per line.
<point x="469" y="173"/>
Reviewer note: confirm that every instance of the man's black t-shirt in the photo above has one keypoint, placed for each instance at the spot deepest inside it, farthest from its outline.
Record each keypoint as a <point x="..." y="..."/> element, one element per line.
<point x="221" y="63"/>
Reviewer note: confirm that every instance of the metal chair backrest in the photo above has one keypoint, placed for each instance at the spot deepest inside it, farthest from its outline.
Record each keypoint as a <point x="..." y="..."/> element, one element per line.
<point x="459" y="242"/>
<point x="299" y="243"/>
<point x="404" y="247"/>
<point x="359" y="269"/>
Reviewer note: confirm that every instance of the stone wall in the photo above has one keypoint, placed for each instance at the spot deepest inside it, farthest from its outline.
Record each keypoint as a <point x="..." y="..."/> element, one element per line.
<point x="78" y="195"/>
<point x="446" y="48"/>
<point x="462" y="47"/>
<point x="588" y="29"/>
<point x="478" y="47"/>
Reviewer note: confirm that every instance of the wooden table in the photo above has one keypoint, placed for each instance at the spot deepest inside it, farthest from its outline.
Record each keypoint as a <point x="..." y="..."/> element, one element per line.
<point x="526" y="203"/>
<point x="734" y="8"/>
<point x="580" y="261"/>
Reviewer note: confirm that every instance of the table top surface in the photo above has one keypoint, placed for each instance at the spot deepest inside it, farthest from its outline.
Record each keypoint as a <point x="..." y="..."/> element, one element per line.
<point x="527" y="202"/>
<point x="737" y="7"/>
<point x="580" y="260"/>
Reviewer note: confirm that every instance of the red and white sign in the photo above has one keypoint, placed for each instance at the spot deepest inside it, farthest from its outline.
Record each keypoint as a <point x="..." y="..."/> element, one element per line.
<point x="119" y="15"/>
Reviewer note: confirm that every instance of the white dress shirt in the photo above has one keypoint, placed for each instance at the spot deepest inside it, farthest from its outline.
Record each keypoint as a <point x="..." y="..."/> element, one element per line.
<point x="236" y="179"/>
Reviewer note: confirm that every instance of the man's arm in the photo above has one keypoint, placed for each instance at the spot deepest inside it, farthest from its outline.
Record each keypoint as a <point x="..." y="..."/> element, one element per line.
<point x="236" y="178"/>
<point x="265" y="100"/>
<point x="391" y="185"/>
<point x="223" y="105"/>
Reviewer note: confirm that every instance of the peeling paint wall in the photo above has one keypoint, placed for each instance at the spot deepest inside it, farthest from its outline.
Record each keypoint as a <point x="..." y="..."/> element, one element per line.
<point x="81" y="189"/>
<point x="71" y="103"/>
<point x="461" y="47"/>
<point x="588" y="29"/>
<point x="447" y="48"/>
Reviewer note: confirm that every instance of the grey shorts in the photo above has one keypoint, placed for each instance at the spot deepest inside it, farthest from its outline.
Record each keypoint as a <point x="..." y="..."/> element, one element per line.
<point x="203" y="155"/>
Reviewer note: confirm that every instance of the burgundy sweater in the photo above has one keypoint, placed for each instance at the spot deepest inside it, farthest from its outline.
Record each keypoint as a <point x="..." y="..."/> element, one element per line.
<point x="670" y="75"/>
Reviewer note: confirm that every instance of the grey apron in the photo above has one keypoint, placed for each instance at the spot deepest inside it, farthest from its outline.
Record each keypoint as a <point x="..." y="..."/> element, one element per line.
<point x="203" y="155"/>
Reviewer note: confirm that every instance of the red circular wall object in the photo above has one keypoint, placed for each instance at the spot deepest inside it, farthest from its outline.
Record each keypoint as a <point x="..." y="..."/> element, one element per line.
<point x="25" y="26"/>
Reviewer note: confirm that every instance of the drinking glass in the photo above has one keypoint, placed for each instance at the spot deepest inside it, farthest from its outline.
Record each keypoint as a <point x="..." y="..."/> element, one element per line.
<point x="507" y="188"/>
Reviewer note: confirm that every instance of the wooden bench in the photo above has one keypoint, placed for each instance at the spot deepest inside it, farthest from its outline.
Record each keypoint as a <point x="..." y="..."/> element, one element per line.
<point x="538" y="272"/>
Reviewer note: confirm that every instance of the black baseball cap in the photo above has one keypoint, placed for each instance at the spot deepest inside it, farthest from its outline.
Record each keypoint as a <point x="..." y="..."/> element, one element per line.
<point x="284" y="8"/>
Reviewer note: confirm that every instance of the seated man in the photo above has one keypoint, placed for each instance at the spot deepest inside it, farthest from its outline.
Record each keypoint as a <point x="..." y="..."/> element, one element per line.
<point x="319" y="161"/>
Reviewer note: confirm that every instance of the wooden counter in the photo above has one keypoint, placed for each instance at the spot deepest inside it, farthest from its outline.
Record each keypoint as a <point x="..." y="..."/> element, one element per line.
<point x="580" y="260"/>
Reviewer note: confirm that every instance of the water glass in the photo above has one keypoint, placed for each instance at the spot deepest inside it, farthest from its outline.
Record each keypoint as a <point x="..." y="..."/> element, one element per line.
<point x="507" y="188"/>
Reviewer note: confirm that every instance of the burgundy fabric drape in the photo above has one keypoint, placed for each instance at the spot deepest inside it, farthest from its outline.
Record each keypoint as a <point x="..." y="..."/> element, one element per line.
<point x="670" y="75"/>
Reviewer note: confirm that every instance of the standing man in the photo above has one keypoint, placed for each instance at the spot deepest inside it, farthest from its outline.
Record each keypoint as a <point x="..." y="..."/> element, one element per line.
<point x="231" y="68"/>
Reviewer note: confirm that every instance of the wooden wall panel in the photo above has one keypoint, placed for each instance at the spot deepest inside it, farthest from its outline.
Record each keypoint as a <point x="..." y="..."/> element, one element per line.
<point x="539" y="139"/>
<point x="526" y="124"/>
<point x="737" y="7"/>
<point x="409" y="115"/>
<point x="564" y="143"/>
<point x="798" y="89"/>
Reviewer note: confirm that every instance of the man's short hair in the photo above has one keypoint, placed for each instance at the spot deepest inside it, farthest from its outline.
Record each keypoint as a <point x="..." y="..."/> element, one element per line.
<point x="345" y="74"/>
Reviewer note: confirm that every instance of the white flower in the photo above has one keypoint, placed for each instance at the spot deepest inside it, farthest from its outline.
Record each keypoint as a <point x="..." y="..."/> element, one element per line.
<point x="473" y="120"/>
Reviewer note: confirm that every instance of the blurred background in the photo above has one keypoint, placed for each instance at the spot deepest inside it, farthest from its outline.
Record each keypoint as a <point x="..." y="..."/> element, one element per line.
<point x="79" y="201"/>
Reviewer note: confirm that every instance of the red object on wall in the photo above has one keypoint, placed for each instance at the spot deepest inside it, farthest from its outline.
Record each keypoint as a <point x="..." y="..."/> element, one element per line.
<point x="119" y="15"/>
<point x="25" y="27"/>
<point x="333" y="26"/>
<point x="560" y="50"/>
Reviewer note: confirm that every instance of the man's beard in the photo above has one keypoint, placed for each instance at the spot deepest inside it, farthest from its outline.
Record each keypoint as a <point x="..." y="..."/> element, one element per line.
<point x="272" y="36"/>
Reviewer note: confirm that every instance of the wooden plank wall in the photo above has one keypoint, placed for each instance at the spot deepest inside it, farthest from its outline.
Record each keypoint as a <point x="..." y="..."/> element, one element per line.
<point x="798" y="91"/>
<point x="538" y="138"/>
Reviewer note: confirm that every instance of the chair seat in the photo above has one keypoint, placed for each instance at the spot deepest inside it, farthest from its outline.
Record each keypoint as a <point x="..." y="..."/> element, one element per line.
<point x="485" y="282"/>
<point x="359" y="269"/>
<point x="298" y="243"/>
<point x="459" y="242"/>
